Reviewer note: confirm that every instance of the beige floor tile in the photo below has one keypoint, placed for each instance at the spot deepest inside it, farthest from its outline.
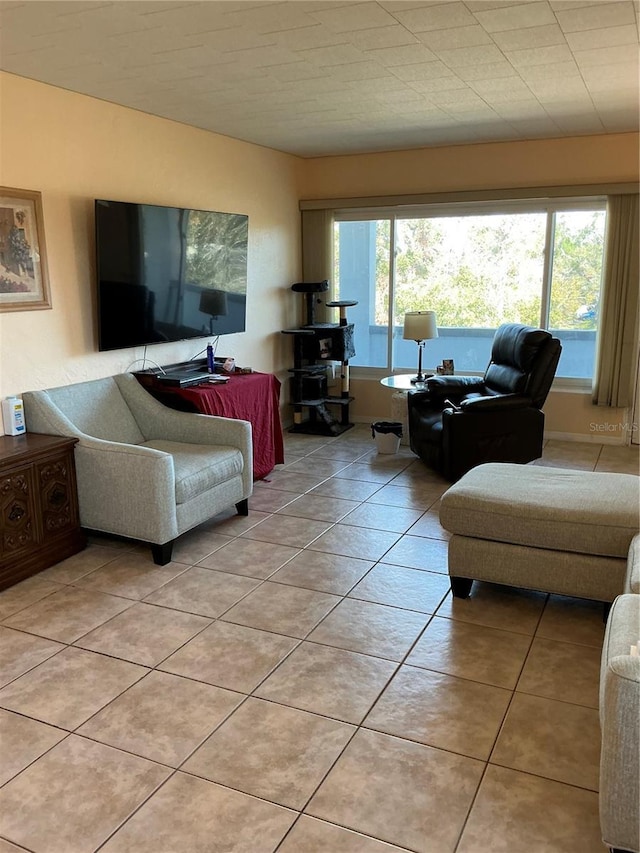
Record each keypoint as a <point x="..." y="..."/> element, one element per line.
<point x="367" y="473"/>
<point x="8" y="847"/>
<point x="230" y="656"/>
<point x="317" y="836"/>
<point x="318" y="507"/>
<point x="572" y="620"/>
<point x="132" y="575"/>
<point x="249" y="558"/>
<point x="353" y="490"/>
<point x="282" y="609"/>
<point x="229" y="523"/>
<point x="415" y="496"/>
<point x="323" y="572"/>
<point x="162" y="717"/>
<point x="317" y="467"/>
<point x="339" y="451"/>
<point x="329" y="681"/>
<point x="416" y="552"/>
<point x="404" y="793"/>
<point x="439" y="710"/>
<point x="562" y="671"/>
<point x="401" y="587"/>
<point x="20" y="652"/>
<point x="552" y="739"/>
<point x="396" y="519"/>
<point x="205" y="592"/>
<point x="373" y="629"/>
<point x="287" y="530"/>
<point x="80" y="564"/>
<point x="75" y="796"/>
<point x="580" y="455"/>
<point x="68" y="614"/>
<point x="69" y="688"/>
<point x="189" y="814"/>
<point x="471" y="651"/>
<point x="291" y="481"/>
<point x="428" y="525"/>
<point x="497" y="606"/>
<point x="355" y="542"/>
<point x="266" y="501"/>
<point x="24" y="594"/>
<point x="301" y="444"/>
<point x="275" y="753"/>
<point x="144" y="634"/>
<point x="619" y="460"/>
<point x="518" y="813"/>
<point x="197" y="544"/>
<point x="23" y="740"/>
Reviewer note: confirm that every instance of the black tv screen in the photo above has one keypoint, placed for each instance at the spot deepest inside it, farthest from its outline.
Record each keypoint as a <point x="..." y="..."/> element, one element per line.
<point x="168" y="273"/>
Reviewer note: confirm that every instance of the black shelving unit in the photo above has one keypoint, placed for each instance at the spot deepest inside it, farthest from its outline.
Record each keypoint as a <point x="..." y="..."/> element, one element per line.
<point x="315" y="411"/>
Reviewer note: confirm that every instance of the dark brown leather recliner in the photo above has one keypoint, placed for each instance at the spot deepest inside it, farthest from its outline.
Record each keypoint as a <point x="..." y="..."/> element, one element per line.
<point x="458" y="422"/>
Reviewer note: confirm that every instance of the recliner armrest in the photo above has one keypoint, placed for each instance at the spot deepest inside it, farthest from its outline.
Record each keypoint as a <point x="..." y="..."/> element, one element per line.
<point x="499" y="402"/>
<point x="439" y="388"/>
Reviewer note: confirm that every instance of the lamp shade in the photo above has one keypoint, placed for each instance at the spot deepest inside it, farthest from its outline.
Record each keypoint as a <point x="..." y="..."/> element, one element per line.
<point x="213" y="302"/>
<point x="420" y="326"/>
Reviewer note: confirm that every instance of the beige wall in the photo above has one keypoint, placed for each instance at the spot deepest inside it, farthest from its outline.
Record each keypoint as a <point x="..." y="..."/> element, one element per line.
<point x="580" y="160"/>
<point x="542" y="162"/>
<point x="74" y="149"/>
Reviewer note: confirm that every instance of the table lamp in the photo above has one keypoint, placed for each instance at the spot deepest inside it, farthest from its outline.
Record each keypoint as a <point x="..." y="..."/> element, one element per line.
<point x="420" y="326"/>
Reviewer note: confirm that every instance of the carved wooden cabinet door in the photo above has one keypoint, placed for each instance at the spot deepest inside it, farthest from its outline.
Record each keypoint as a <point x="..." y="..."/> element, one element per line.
<point x="19" y="521"/>
<point x="57" y="498"/>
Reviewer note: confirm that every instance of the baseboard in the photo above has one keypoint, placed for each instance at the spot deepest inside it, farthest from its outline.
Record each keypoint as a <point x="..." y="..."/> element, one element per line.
<point x="592" y="437"/>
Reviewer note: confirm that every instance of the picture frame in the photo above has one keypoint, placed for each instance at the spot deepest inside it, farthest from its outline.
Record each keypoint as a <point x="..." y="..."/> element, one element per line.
<point x="24" y="279"/>
<point x="447" y="367"/>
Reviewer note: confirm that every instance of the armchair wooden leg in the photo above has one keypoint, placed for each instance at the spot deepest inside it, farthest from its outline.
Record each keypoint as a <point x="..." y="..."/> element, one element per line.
<point x="243" y="507"/>
<point x="162" y="553"/>
<point x="461" y="587"/>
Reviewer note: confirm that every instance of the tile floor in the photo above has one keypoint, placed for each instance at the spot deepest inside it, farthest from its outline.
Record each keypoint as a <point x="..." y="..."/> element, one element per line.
<point x="300" y="680"/>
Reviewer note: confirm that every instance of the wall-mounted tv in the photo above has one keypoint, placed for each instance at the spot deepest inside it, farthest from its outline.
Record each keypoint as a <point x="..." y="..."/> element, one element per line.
<point x="168" y="273"/>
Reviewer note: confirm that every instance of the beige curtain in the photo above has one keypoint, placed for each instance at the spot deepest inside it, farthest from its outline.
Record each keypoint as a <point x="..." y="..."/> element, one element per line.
<point x="317" y="255"/>
<point x="618" y="329"/>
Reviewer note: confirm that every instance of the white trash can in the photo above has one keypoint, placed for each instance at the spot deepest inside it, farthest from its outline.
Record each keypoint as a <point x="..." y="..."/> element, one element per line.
<point x="387" y="435"/>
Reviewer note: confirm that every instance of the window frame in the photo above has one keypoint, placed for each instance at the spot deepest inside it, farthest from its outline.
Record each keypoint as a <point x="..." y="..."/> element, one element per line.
<point x="549" y="206"/>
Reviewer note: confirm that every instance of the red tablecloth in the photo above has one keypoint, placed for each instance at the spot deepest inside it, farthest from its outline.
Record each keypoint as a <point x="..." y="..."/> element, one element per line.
<point x="251" y="397"/>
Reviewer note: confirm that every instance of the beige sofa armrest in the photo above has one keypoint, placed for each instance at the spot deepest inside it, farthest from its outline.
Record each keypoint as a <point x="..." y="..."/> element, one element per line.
<point x="126" y="489"/>
<point x="632" y="580"/>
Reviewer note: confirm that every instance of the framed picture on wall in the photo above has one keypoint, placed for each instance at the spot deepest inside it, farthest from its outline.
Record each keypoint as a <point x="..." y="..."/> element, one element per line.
<point x="24" y="282"/>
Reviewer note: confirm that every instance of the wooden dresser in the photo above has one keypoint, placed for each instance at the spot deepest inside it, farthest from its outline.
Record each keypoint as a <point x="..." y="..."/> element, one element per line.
<point x="39" y="521"/>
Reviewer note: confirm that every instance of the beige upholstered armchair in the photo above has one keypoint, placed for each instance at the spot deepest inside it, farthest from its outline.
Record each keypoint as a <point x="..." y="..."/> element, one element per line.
<point x="145" y="471"/>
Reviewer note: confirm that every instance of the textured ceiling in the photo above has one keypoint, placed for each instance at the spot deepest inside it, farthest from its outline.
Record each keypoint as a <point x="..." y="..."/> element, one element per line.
<point x="318" y="78"/>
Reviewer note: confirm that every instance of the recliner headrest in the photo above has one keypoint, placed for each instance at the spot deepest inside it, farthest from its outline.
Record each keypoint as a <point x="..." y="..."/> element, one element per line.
<point x="518" y="345"/>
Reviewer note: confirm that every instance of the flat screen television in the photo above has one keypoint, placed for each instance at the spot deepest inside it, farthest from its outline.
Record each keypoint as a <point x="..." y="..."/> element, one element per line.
<point x="168" y="273"/>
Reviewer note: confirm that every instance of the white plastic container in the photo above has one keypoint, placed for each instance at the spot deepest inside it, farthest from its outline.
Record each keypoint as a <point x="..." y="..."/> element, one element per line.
<point x="387" y="435"/>
<point x="13" y="416"/>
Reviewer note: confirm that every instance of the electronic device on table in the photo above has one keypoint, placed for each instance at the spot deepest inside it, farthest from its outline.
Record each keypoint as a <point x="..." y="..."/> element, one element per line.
<point x="158" y="279"/>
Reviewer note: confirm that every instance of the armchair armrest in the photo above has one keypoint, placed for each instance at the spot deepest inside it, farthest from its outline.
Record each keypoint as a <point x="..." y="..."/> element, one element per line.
<point x="439" y="388"/>
<point x="126" y="489"/>
<point x="499" y="402"/>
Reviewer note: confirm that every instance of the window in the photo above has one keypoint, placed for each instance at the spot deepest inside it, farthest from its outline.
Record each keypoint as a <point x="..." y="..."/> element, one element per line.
<point x="539" y="264"/>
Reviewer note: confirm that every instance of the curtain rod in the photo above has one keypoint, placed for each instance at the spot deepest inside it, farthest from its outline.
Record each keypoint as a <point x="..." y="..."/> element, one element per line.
<point x="502" y="194"/>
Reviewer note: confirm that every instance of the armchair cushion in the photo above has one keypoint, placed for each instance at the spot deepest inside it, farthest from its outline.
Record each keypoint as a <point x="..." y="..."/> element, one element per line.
<point x="199" y="467"/>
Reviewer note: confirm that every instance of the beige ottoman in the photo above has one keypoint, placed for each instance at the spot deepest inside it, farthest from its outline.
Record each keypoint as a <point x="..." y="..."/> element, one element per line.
<point x="550" y="529"/>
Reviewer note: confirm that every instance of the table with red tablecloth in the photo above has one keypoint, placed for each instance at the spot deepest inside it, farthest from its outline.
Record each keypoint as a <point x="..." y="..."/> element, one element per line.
<point x="253" y="397"/>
